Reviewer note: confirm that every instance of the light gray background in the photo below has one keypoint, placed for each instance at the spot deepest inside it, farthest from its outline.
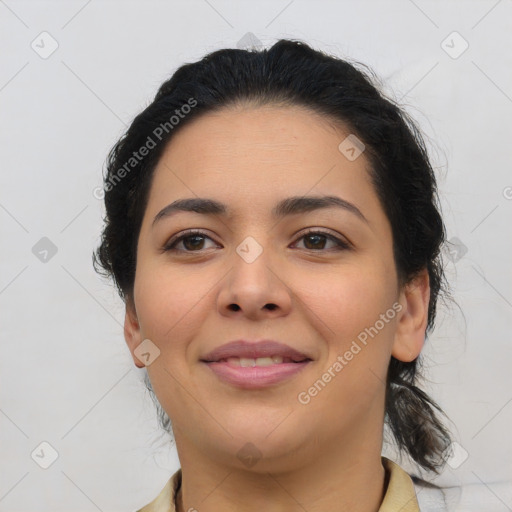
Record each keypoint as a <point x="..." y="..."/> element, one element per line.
<point x="66" y="374"/>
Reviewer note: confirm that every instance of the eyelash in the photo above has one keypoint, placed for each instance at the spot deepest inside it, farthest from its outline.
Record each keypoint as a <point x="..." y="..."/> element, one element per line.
<point x="341" y="245"/>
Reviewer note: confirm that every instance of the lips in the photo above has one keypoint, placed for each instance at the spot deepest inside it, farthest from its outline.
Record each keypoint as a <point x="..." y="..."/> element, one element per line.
<point x="251" y="365"/>
<point x="254" y="350"/>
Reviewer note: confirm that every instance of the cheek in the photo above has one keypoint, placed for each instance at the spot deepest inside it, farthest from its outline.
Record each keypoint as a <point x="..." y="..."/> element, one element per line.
<point x="347" y="308"/>
<point x="168" y="305"/>
<point x="346" y="300"/>
<point x="169" y="309"/>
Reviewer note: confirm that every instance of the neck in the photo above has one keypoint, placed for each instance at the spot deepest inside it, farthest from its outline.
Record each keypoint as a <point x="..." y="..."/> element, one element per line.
<point x="348" y="477"/>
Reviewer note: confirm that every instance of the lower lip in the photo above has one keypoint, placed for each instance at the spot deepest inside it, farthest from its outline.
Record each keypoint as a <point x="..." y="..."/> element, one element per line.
<point x="255" y="377"/>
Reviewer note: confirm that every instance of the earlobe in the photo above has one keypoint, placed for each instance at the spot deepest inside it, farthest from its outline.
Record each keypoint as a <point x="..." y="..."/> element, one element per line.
<point x="132" y="333"/>
<point x="412" y="322"/>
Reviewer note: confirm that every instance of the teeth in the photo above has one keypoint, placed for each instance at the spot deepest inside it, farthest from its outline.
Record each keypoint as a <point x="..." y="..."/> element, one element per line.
<point x="247" y="362"/>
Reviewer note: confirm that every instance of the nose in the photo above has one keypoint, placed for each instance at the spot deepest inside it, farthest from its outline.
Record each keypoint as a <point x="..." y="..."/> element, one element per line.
<point x="255" y="289"/>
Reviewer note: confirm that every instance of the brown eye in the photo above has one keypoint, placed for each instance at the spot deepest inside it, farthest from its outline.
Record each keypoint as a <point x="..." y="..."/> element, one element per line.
<point x="192" y="241"/>
<point x="316" y="241"/>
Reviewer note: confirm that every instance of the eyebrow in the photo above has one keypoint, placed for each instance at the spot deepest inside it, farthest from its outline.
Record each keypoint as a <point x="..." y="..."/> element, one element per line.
<point x="289" y="206"/>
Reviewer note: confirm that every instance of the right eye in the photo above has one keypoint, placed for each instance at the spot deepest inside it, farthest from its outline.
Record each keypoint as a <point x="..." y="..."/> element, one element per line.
<point x="192" y="240"/>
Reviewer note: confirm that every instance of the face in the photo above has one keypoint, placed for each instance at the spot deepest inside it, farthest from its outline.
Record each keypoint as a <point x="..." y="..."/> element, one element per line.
<point x="322" y="281"/>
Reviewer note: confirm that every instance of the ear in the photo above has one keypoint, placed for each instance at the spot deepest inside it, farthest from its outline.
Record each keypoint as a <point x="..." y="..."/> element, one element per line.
<point x="412" y="322"/>
<point x="132" y="333"/>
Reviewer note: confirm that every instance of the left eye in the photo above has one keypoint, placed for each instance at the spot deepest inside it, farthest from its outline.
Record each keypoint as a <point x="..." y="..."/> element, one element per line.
<point x="193" y="241"/>
<point x="315" y="237"/>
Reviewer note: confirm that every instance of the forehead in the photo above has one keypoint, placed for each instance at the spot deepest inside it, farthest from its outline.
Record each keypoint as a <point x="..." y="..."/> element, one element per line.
<point x="258" y="151"/>
<point x="286" y="133"/>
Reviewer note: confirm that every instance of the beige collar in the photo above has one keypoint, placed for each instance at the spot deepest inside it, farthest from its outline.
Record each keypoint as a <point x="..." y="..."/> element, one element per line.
<point x="400" y="494"/>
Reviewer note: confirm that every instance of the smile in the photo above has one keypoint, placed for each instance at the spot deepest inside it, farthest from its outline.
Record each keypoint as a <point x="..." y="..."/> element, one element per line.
<point x="247" y="373"/>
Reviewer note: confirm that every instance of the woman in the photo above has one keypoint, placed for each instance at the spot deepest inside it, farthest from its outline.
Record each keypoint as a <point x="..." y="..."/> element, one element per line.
<point x="272" y="226"/>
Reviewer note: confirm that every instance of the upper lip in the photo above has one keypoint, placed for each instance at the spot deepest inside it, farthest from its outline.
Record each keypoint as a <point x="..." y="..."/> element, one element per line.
<point x="253" y="350"/>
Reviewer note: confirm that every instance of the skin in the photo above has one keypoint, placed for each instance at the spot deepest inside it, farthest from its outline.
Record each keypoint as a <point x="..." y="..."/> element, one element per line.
<point x="325" y="455"/>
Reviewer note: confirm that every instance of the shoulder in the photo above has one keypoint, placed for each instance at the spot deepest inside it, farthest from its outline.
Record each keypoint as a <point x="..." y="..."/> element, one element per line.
<point x="166" y="499"/>
<point x="400" y="493"/>
<point x="407" y="491"/>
